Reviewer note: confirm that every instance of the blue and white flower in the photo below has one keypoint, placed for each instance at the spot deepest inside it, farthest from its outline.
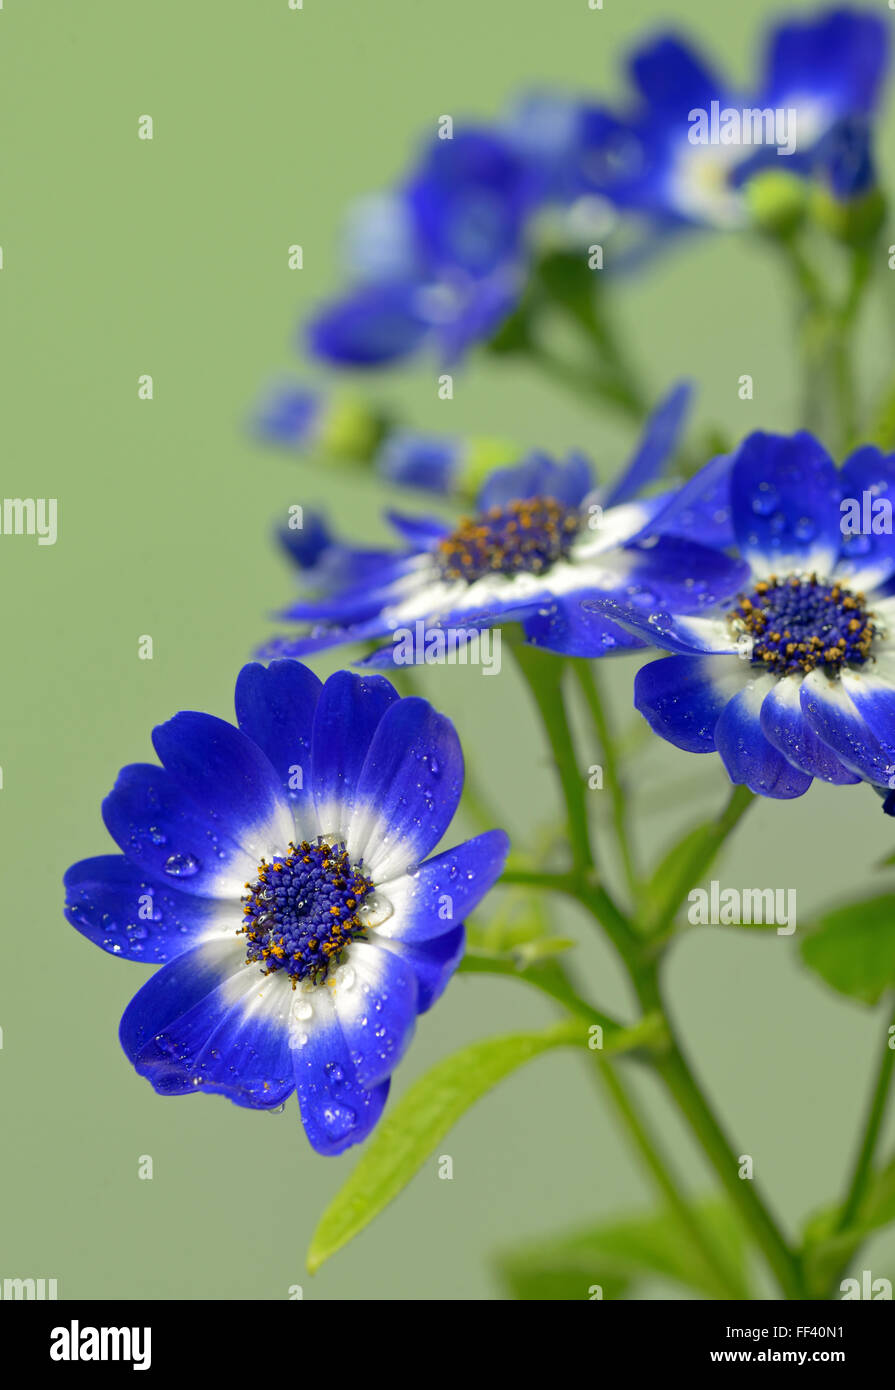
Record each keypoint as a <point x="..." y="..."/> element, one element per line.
<point x="541" y="540"/>
<point x="791" y="674"/>
<point x="278" y="872"/>
<point x="818" y="72"/>
<point x="439" y="262"/>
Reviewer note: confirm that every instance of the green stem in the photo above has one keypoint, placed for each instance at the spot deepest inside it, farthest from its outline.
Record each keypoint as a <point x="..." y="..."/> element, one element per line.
<point x="676" y="1074"/>
<point x="658" y="1167"/>
<point x="872" y="1127"/>
<point x="702" y="855"/>
<point x="588" y="680"/>
<point x="543" y="672"/>
<point x="553" y="983"/>
<point x="595" y="388"/>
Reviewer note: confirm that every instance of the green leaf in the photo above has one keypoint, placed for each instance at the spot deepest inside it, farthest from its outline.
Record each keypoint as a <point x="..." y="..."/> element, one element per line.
<point x="417" y="1124"/>
<point x="672" y="870"/>
<point x="882" y="430"/>
<point x="617" y="1255"/>
<point x="828" y="1250"/>
<point x="853" y="948"/>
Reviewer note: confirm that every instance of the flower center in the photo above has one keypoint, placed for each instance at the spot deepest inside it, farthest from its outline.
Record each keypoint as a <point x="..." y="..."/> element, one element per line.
<point x="301" y="911"/>
<point x="522" y="537"/>
<point x="797" y="624"/>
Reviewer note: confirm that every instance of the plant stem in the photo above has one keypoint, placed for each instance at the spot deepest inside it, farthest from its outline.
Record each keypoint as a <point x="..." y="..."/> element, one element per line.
<point x="658" y="1167"/>
<point x="588" y="680"/>
<point x="872" y="1127"/>
<point x="679" y="1080"/>
<point x="703" y="854"/>
<point x="543" y="672"/>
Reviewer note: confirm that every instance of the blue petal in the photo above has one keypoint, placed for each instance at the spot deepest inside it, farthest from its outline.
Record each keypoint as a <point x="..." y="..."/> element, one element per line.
<point x="747" y="755"/>
<point x="199" y="1025"/>
<point x="835" y="62"/>
<point x="350" y="711"/>
<point x="573" y="626"/>
<point x="833" y="715"/>
<point x="868" y="559"/>
<point x="336" y="1110"/>
<point x="223" y="770"/>
<point x="419" y="531"/>
<point x="673" y="78"/>
<point x="166" y="835"/>
<point x="784" y="723"/>
<point x="275" y="708"/>
<point x="700" y="510"/>
<point x="419" y="460"/>
<point x="657" y="445"/>
<point x="682" y="697"/>
<point x="378" y="1012"/>
<point x="687" y="634"/>
<point x="785" y="495"/>
<point x="433" y="962"/>
<point x="377" y="324"/>
<point x="306" y="544"/>
<point x="290" y="415"/>
<point x="130" y="915"/>
<point x="408" y="789"/>
<point x="470" y="200"/>
<point x="538" y="476"/>
<point x="444" y="890"/>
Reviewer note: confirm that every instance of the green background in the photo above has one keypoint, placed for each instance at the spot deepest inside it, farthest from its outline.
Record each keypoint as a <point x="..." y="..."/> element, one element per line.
<point x="123" y="257"/>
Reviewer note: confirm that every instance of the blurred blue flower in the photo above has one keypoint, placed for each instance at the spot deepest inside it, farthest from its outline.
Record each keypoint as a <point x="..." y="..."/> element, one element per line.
<point x="541" y="540"/>
<point x="818" y="71"/>
<point x="438" y="263"/>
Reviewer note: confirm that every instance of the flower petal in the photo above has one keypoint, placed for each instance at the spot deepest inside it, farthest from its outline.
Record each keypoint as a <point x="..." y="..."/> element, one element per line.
<point x="275" y="708"/>
<point x="747" y="755"/>
<point x="336" y="1110"/>
<point x="408" y="789"/>
<point x="785" y="494"/>
<point x="832" y="714"/>
<point x="118" y="907"/>
<point x="433" y="962"/>
<point x="377" y="1011"/>
<point x="682" y="697"/>
<point x="207" y="1022"/>
<point x="223" y="770"/>
<point x="868" y="483"/>
<point x="785" y="725"/>
<point x="350" y="711"/>
<point x="442" y="892"/>
<point x="163" y="831"/>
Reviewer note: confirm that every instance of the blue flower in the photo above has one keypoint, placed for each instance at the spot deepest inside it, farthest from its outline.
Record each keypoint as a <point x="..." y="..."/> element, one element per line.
<point x="825" y="69"/>
<point x="790" y="675"/>
<point x="439" y="262"/>
<point x="278" y="873"/>
<point x="306" y="419"/>
<point x="541" y="540"/>
<point x="440" y="464"/>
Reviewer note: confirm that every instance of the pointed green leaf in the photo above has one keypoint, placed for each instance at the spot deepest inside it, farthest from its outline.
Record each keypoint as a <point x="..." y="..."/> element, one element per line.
<point x="417" y="1124"/>
<point x="616" y="1255"/>
<point x="853" y="948"/>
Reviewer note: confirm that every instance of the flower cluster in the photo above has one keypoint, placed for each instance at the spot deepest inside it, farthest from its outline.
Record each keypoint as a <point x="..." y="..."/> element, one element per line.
<point x="280" y="871"/>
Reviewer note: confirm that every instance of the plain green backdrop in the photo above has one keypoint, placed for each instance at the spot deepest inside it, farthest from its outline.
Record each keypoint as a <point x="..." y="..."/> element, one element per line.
<point x="123" y="257"/>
